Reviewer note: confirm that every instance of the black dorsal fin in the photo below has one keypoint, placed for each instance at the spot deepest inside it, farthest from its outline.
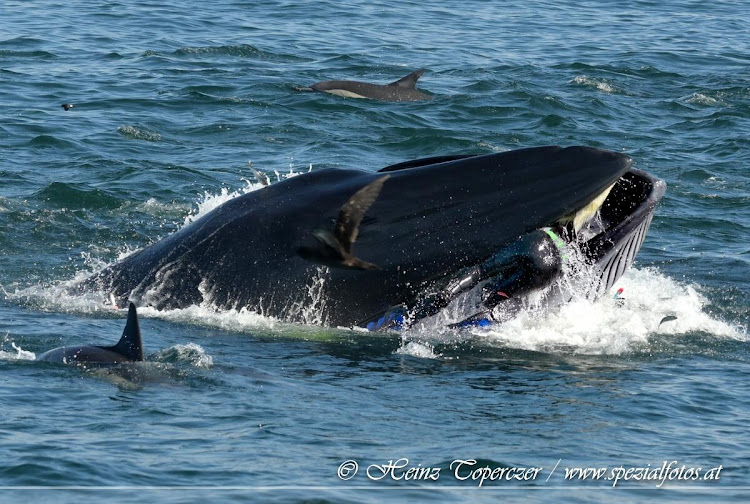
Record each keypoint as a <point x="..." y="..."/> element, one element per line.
<point x="410" y="81"/>
<point x="130" y="344"/>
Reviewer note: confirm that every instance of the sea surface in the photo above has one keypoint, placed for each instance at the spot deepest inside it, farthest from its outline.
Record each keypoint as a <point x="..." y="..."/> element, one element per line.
<point x="173" y="99"/>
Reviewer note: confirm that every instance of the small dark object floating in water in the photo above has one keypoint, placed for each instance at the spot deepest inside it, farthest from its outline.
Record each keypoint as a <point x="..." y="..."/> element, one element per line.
<point x="668" y="318"/>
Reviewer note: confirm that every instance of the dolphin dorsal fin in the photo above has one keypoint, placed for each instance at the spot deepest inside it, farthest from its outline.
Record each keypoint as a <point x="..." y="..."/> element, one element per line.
<point x="130" y="344"/>
<point x="410" y="81"/>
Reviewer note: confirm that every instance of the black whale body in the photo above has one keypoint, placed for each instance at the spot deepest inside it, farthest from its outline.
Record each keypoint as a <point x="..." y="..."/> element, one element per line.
<point x="432" y="218"/>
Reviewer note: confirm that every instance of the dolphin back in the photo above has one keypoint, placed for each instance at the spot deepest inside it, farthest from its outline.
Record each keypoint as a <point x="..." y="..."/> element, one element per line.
<point x="128" y="349"/>
<point x="402" y="90"/>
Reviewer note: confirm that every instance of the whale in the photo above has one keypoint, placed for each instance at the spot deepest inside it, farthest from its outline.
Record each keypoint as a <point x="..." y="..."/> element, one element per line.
<point x="349" y="245"/>
<point x="128" y="349"/>
<point x="402" y="90"/>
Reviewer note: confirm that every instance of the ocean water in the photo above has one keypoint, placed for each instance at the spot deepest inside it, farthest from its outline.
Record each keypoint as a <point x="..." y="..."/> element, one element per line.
<point x="172" y="99"/>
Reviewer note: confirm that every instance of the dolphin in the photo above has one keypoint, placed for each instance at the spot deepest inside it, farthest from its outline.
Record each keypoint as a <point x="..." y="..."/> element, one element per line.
<point x="422" y="228"/>
<point x="128" y="349"/>
<point x="402" y="90"/>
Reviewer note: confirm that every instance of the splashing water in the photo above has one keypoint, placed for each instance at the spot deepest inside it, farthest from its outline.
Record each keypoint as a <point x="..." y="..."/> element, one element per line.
<point x="417" y="349"/>
<point x="190" y="353"/>
<point x="19" y="354"/>
<point x="598" y="84"/>
<point x="581" y="326"/>
<point x="606" y="326"/>
<point x="210" y="201"/>
<point x="312" y="310"/>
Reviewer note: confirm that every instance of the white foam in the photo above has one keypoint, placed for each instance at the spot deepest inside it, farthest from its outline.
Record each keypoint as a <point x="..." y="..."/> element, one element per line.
<point x="416" y="349"/>
<point x="611" y="327"/>
<point x="209" y="201"/>
<point x="701" y="99"/>
<point x="19" y="354"/>
<point x="599" y="84"/>
<point x="139" y="133"/>
<point x="152" y="206"/>
<point x="606" y="326"/>
<point x="494" y="148"/>
<point x="236" y="320"/>
<point x="192" y="354"/>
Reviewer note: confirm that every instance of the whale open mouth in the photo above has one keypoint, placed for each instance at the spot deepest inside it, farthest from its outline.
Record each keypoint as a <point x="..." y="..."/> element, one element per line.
<point x="500" y="225"/>
<point x="615" y="236"/>
<point x="606" y="235"/>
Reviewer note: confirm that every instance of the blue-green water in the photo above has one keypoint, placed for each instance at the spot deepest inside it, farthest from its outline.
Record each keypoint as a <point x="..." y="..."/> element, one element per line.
<point x="172" y="99"/>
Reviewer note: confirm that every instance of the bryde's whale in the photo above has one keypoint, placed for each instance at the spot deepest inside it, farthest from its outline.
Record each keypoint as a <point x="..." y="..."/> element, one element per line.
<point x="402" y="90"/>
<point x="128" y="349"/>
<point x="434" y="229"/>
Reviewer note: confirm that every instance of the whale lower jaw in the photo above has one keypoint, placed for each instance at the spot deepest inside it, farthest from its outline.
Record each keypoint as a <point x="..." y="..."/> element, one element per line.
<point x="344" y="93"/>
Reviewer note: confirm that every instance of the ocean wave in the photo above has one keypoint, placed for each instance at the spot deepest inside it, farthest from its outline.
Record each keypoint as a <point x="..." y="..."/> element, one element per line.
<point x="191" y="353"/>
<point x="4" y="53"/>
<point x="46" y="141"/>
<point x="202" y="96"/>
<point x="599" y="84"/>
<point x="76" y="196"/>
<point x="139" y="133"/>
<point x="236" y="51"/>
<point x="702" y="99"/>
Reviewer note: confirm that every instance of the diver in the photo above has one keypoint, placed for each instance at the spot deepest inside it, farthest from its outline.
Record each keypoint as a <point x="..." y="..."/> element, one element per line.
<point x="530" y="263"/>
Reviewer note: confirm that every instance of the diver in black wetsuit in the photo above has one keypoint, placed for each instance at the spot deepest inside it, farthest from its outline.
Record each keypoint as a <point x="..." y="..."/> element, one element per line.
<point x="532" y="262"/>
